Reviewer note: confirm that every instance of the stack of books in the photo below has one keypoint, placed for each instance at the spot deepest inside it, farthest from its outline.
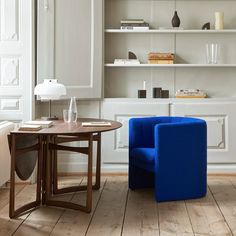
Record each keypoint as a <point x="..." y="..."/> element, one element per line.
<point x="35" y="125"/>
<point x="42" y="123"/>
<point x="134" y="24"/>
<point x="160" y="58"/>
<point x="190" y="93"/>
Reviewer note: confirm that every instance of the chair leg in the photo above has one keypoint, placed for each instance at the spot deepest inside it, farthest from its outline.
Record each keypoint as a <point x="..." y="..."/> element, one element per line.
<point x="139" y="178"/>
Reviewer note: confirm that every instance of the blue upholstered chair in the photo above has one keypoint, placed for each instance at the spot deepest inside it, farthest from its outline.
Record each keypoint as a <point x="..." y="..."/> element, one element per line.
<point x="169" y="154"/>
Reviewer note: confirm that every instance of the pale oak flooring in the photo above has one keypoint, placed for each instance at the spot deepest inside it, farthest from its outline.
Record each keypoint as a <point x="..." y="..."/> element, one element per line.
<point x="119" y="211"/>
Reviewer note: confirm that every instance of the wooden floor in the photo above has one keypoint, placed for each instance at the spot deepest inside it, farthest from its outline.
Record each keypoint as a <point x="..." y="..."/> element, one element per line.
<point x="119" y="211"/>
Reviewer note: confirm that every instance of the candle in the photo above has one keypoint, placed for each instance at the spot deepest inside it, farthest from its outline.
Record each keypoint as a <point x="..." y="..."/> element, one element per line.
<point x="144" y="85"/>
<point x="219" y="20"/>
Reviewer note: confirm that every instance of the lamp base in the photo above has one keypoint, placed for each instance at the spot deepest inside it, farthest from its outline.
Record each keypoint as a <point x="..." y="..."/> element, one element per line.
<point x="50" y="118"/>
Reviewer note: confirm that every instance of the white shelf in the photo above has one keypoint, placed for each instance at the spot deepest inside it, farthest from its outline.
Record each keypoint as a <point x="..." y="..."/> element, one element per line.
<point x="172" y="65"/>
<point x="170" y="31"/>
<point x="170" y="100"/>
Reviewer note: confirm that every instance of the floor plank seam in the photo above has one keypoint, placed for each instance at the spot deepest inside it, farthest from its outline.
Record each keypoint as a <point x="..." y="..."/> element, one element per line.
<point x="123" y="221"/>
<point x="74" y="193"/>
<point x="158" y="218"/>
<point x="232" y="234"/>
<point x="191" y="223"/>
<point x="233" y="184"/>
<point x="95" y="208"/>
<point x="28" y="214"/>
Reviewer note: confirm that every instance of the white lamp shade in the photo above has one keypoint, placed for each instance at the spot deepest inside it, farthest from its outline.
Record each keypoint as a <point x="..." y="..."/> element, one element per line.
<point x="50" y="90"/>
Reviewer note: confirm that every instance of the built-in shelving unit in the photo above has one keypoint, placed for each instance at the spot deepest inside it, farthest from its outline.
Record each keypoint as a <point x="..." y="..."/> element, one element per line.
<point x="170" y="31"/>
<point x="190" y="71"/>
<point x="187" y="43"/>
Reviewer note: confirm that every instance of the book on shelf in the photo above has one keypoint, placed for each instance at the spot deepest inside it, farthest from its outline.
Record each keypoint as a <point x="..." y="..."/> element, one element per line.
<point x="190" y="93"/>
<point x="42" y="123"/>
<point x="30" y="128"/>
<point x="160" y="62"/>
<point x="126" y="62"/>
<point x="96" y="124"/>
<point x="132" y="21"/>
<point x="136" y="24"/>
<point x="161" y="56"/>
<point x="135" y="28"/>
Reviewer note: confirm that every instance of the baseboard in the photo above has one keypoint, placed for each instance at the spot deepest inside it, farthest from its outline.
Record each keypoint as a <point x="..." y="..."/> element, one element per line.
<point x="75" y="167"/>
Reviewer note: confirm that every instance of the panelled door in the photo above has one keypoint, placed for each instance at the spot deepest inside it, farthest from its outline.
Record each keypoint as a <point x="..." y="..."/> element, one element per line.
<point x="16" y="38"/>
<point x="70" y="36"/>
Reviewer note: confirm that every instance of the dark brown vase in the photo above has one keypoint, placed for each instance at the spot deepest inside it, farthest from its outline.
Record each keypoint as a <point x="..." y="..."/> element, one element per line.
<point x="175" y="20"/>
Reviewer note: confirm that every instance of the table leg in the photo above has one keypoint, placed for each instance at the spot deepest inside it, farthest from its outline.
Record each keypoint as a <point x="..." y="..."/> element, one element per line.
<point x="90" y="174"/>
<point x="12" y="177"/>
<point x="44" y="149"/>
<point x="39" y="172"/>
<point x="13" y="213"/>
<point x="88" y="188"/>
<point x="98" y="164"/>
<point x="48" y="161"/>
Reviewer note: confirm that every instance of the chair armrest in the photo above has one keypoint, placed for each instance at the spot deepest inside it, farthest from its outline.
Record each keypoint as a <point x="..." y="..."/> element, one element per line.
<point x="141" y="131"/>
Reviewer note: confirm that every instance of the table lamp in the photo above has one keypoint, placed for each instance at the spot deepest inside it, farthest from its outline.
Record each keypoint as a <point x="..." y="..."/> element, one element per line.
<point x="50" y="90"/>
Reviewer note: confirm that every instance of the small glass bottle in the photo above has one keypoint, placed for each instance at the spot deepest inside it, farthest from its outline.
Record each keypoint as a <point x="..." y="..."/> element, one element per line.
<point x="73" y="110"/>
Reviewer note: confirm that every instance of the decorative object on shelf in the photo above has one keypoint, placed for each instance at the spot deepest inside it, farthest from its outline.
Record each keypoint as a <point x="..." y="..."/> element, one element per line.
<point x="50" y="90"/>
<point x="126" y="62"/>
<point x="160" y="58"/>
<point x="175" y="20"/>
<point x="156" y="92"/>
<point x="132" y="60"/>
<point x="190" y="93"/>
<point x="212" y="53"/>
<point x="206" y="26"/>
<point x="142" y="93"/>
<point x="132" y="56"/>
<point x="71" y="114"/>
<point x="164" y="93"/>
<point x="134" y="24"/>
<point x="219" y="20"/>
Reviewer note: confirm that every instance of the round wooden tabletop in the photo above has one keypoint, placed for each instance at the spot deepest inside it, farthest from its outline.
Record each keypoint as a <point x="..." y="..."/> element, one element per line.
<point x="60" y="127"/>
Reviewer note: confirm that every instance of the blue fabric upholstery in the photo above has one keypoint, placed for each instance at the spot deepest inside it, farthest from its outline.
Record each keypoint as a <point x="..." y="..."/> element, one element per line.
<point x="169" y="154"/>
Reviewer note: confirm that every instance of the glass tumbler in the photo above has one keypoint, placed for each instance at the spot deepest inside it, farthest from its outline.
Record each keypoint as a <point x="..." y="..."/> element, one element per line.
<point x="69" y="116"/>
<point x="212" y="53"/>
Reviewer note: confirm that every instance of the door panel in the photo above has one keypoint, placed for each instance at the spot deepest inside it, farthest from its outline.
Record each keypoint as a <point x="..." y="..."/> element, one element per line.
<point x="16" y="60"/>
<point x="72" y="31"/>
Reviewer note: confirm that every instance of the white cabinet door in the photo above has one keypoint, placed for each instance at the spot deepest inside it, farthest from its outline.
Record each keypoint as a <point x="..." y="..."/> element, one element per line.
<point x="16" y="62"/>
<point x="115" y="144"/>
<point x="221" y="126"/>
<point x="70" y="35"/>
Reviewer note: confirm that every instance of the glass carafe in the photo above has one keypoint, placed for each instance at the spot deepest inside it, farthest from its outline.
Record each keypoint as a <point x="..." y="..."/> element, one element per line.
<point x="73" y="110"/>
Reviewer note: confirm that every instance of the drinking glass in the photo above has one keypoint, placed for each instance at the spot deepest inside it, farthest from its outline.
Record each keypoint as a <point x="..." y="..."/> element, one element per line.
<point x="69" y="116"/>
<point x="212" y="53"/>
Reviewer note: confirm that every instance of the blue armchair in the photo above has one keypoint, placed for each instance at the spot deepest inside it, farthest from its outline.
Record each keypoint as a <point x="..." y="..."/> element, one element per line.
<point x="169" y="154"/>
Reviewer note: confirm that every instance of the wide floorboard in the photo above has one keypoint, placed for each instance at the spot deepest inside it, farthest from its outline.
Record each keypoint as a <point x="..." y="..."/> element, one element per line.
<point x="120" y="211"/>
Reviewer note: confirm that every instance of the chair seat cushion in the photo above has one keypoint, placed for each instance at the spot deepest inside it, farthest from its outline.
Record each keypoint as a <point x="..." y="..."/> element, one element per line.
<point x="143" y="158"/>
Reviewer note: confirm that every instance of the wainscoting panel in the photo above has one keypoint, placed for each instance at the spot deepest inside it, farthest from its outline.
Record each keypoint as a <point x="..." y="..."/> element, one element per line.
<point x="115" y="144"/>
<point x="220" y="118"/>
